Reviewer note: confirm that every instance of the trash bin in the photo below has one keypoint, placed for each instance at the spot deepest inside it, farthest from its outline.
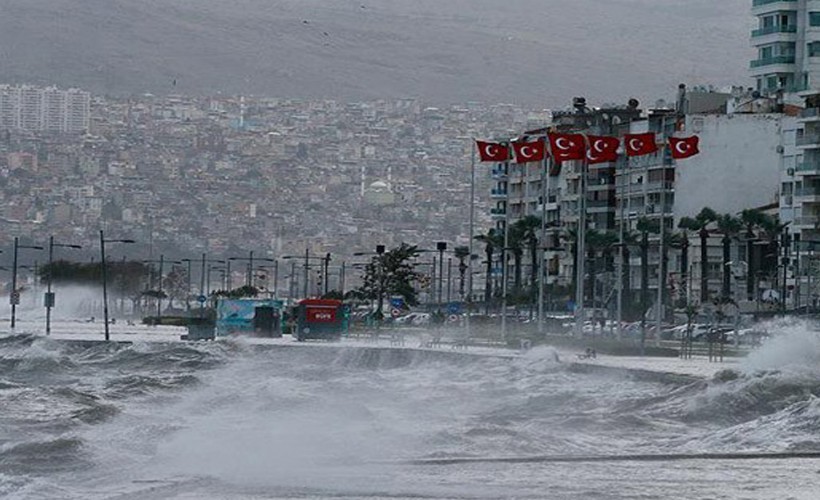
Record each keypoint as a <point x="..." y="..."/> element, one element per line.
<point x="200" y="329"/>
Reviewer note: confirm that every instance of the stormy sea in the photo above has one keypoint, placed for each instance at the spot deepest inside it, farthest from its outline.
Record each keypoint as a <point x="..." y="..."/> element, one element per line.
<point x="228" y="419"/>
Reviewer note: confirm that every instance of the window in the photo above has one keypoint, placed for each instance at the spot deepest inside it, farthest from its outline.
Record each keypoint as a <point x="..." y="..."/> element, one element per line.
<point x="814" y="18"/>
<point x="814" y="49"/>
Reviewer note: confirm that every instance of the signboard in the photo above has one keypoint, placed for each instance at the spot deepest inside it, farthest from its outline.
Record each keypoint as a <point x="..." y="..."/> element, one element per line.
<point x="397" y="302"/>
<point x="319" y="314"/>
<point x="237" y="315"/>
<point x="14" y="298"/>
<point x="454" y="308"/>
<point x="201" y="299"/>
<point x="49" y="299"/>
<point x="395" y="312"/>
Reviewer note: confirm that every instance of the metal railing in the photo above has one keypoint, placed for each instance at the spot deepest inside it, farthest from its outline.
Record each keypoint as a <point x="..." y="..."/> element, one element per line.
<point x="769" y="30"/>
<point x="772" y="60"/>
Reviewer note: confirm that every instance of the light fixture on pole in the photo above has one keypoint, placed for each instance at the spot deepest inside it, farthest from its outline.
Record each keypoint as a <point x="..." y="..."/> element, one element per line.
<point x="103" y="241"/>
<point x="161" y="263"/>
<point x="307" y="258"/>
<point x="14" y="298"/>
<point x="250" y="258"/>
<point x="49" y="297"/>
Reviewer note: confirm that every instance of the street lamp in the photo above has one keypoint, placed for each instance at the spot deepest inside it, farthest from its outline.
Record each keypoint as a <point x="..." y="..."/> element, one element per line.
<point x="103" y="241"/>
<point x="307" y="257"/>
<point x="15" y="295"/>
<point x="202" y="274"/>
<point x="161" y="262"/>
<point x="250" y="259"/>
<point x="49" y="297"/>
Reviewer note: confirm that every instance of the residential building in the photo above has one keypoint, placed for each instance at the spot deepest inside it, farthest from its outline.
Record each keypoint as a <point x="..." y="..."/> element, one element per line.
<point x="45" y="109"/>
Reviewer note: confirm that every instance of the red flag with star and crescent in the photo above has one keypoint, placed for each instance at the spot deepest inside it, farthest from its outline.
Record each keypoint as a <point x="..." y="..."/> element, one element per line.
<point x="684" y="147"/>
<point x="602" y="149"/>
<point x="526" y="152"/>
<point x="492" y="151"/>
<point x="566" y="147"/>
<point x="640" y="144"/>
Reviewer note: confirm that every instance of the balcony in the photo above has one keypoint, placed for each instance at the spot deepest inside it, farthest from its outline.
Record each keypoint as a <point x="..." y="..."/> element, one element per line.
<point x="808" y="141"/>
<point x="808" y="194"/>
<point x="770" y="61"/>
<point x="498" y="194"/>
<point x="498" y="213"/>
<point x="809" y="115"/>
<point x="806" y="222"/>
<point x="765" y="6"/>
<point x="498" y="174"/>
<point x="808" y="168"/>
<point x="770" y="30"/>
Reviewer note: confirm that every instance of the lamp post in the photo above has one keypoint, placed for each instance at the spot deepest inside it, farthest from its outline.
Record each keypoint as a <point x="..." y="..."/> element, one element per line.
<point x="324" y="270"/>
<point x="441" y="246"/>
<point x="202" y="276"/>
<point x="103" y="241"/>
<point x="161" y="263"/>
<point x="49" y="297"/>
<point x="15" y="295"/>
<point x="250" y="259"/>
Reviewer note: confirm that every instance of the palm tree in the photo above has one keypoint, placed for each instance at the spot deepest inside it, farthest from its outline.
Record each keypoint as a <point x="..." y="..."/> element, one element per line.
<point x="752" y="219"/>
<point x="570" y="236"/>
<point x="492" y="240"/>
<point x="680" y="241"/>
<point x="729" y="226"/>
<point x="699" y="224"/>
<point x="526" y="232"/>
<point x="602" y="241"/>
<point x="461" y="253"/>
<point x="645" y="226"/>
<point x="630" y="239"/>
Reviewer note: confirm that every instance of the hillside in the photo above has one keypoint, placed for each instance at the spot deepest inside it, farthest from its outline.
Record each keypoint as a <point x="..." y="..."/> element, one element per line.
<point x="524" y="51"/>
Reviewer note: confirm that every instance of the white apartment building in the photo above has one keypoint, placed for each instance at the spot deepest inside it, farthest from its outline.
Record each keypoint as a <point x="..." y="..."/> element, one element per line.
<point x="47" y="109"/>
<point x="787" y="40"/>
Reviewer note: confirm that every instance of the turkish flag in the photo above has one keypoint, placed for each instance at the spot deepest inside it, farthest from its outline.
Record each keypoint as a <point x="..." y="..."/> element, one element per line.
<point x="567" y="147"/>
<point x="602" y="149"/>
<point x="526" y="152"/>
<point x="491" y="151"/>
<point x="640" y="144"/>
<point x="684" y="147"/>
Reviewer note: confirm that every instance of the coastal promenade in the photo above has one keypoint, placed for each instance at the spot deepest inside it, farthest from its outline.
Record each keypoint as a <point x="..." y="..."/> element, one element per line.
<point x="697" y="367"/>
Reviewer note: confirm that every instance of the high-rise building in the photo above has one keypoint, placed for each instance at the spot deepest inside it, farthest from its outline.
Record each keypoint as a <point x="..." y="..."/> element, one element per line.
<point x="787" y="40"/>
<point x="48" y="109"/>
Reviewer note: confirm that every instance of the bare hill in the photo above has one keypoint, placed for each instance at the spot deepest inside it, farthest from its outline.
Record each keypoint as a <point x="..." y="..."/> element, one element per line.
<point x="524" y="51"/>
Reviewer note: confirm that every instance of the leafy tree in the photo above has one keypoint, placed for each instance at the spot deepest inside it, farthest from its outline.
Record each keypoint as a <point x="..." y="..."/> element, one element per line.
<point x="242" y="292"/>
<point x="175" y="283"/>
<point x="389" y="274"/>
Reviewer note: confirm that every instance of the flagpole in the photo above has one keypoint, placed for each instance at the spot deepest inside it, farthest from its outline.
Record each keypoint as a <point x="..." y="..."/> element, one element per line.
<point x="624" y="177"/>
<point x="504" y="259"/>
<point x="661" y="267"/>
<point x="472" y="237"/>
<point x="581" y="250"/>
<point x="545" y="179"/>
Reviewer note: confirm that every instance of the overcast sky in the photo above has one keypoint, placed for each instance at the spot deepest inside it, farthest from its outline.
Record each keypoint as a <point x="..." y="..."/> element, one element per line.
<point x="525" y="51"/>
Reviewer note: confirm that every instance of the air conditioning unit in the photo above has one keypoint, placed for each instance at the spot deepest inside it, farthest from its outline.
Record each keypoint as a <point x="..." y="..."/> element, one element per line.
<point x="789" y="171"/>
